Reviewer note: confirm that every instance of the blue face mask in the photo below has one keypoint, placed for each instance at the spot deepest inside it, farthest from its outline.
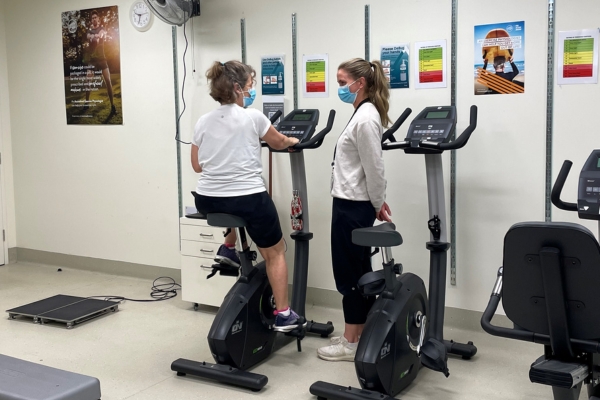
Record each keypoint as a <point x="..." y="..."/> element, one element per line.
<point x="345" y="95"/>
<point x="249" y="100"/>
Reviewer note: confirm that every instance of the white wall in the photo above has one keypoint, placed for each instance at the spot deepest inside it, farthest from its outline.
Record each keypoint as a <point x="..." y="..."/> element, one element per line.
<point x="501" y="172"/>
<point x="111" y="192"/>
<point x="6" y="168"/>
<point x="337" y="29"/>
<point x="106" y="192"/>
<point x="575" y="109"/>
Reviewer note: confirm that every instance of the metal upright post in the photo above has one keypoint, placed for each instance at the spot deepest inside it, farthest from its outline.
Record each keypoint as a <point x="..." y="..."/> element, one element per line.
<point x="243" y="32"/>
<point x="177" y="129"/>
<point x="453" y="68"/>
<point x="549" y="109"/>
<point x="295" y="59"/>
<point x="367" y="32"/>
<point x="437" y="246"/>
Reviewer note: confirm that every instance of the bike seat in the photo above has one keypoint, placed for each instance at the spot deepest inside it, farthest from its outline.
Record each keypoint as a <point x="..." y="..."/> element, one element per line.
<point x="196" y="216"/>
<point x="225" y="220"/>
<point x="384" y="235"/>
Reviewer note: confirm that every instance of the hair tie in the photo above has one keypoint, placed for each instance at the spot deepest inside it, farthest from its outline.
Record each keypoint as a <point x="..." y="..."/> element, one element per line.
<point x="221" y="64"/>
<point x="372" y="65"/>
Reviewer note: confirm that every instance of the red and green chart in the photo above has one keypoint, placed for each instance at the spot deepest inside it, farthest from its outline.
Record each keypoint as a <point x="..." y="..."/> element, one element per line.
<point x="579" y="61"/>
<point x="578" y="58"/>
<point x="431" y="67"/>
<point x="315" y="75"/>
<point x="430" y="64"/>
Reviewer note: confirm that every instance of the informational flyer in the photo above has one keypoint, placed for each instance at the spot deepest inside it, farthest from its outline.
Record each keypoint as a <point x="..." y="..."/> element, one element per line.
<point x="92" y="66"/>
<point x="499" y="65"/>
<point x="272" y="71"/>
<point x="430" y="64"/>
<point x="395" y="62"/>
<point x="577" y="57"/>
<point x="272" y="104"/>
<point x="314" y="78"/>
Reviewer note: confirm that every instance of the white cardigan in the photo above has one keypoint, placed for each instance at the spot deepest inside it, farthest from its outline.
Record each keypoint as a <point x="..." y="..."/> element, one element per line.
<point x="358" y="170"/>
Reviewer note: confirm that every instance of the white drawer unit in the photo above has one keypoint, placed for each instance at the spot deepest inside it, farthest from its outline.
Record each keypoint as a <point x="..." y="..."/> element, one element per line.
<point x="199" y="246"/>
<point x="200" y="249"/>
<point x="202" y="233"/>
<point x="196" y="288"/>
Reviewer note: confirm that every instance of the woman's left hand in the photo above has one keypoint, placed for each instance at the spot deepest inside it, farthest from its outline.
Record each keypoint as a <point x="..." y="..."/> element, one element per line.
<point x="384" y="213"/>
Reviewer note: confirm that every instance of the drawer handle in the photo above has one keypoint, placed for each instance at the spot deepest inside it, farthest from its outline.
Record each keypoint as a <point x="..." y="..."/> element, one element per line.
<point x="207" y="251"/>
<point x="207" y="235"/>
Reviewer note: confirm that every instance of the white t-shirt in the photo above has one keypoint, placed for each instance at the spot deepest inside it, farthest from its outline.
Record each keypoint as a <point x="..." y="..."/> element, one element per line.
<point x="228" y="141"/>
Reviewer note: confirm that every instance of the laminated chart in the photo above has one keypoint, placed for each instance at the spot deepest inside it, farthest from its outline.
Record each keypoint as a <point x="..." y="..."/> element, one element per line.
<point x="431" y="67"/>
<point x="430" y="64"/>
<point x="315" y="76"/>
<point x="578" y="58"/>
<point x="579" y="61"/>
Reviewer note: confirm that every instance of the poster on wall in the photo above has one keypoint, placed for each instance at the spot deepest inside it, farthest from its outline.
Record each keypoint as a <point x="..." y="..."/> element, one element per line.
<point x="92" y="66"/>
<point x="272" y="104"/>
<point x="314" y="77"/>
<point x="500" y="58"/>
<point x="577" y="57"/>
<point x="394" y="59"/>
<point x="272" y="72"/>
<point x="430" y="64"/>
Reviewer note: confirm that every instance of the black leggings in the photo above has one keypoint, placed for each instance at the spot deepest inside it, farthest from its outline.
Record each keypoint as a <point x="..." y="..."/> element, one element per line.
<point x="350" y="261"/>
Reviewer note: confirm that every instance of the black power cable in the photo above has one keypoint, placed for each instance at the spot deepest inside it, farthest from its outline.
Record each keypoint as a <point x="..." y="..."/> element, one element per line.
<point x="160" y="292"/>
<point x="183" y="86"/>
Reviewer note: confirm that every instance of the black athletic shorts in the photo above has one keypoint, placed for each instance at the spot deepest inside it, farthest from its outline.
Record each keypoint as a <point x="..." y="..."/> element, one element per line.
<point x="258" y="210"/>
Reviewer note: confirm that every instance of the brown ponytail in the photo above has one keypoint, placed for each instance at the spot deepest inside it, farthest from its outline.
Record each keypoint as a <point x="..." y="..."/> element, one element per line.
<point x="222" y="78"/>
<point x="377" y="85"/>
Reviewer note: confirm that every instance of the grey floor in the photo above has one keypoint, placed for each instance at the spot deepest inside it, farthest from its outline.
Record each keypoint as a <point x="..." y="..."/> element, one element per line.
<point x="131" y="351"/>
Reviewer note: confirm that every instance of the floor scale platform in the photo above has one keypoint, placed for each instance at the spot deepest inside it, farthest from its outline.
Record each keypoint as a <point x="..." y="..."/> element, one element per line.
<point x="24" y="380"/>
<point x="69" y="310"/>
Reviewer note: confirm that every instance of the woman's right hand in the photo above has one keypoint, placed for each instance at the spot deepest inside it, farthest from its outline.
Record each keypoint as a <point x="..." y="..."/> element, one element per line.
<point x="384" y="213"/>
<point x="292" y="141"/>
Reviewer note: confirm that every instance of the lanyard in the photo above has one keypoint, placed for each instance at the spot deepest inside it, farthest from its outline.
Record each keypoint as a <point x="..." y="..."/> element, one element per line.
<point x="357" y="107"/>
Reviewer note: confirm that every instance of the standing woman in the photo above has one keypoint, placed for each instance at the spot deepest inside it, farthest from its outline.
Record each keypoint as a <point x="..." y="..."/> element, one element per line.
<point x="226" y="151"/>
<point x="358" y="189"/>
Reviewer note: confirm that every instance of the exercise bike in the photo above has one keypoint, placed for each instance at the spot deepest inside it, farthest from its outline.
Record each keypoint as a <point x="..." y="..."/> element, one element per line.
<point x="404" y="329"/>
<point x="241" y="335"/>
<point x="548" y="287"/>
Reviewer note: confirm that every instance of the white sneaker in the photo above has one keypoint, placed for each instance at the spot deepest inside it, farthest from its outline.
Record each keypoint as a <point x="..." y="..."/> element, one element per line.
<point x="337" y="339"/>
<point x="339" y="351"/>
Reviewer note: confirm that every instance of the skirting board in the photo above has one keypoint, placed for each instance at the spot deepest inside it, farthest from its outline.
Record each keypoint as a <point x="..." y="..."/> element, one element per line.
<point x="12" y="255"/>
<point x="96" y="264"/>
<point x="454" y="317"/>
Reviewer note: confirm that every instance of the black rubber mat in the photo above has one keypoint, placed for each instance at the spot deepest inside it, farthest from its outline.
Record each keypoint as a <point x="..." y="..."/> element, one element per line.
<point x="65" y="309"/>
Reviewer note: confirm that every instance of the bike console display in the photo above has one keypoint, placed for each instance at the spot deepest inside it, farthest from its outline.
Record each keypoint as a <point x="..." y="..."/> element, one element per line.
<point x="434" y="124"/>
<point x="588" y="196"/>
<point x="300" y="124"/>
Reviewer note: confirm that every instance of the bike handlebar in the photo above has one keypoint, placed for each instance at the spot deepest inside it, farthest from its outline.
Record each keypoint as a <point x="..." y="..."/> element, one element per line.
<point x="275" y="116"/>
<point x="558" y="187"/>
<point x="317" y="140"/>
<point x="460" y="141"/>
<point x="389" y="134"/>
